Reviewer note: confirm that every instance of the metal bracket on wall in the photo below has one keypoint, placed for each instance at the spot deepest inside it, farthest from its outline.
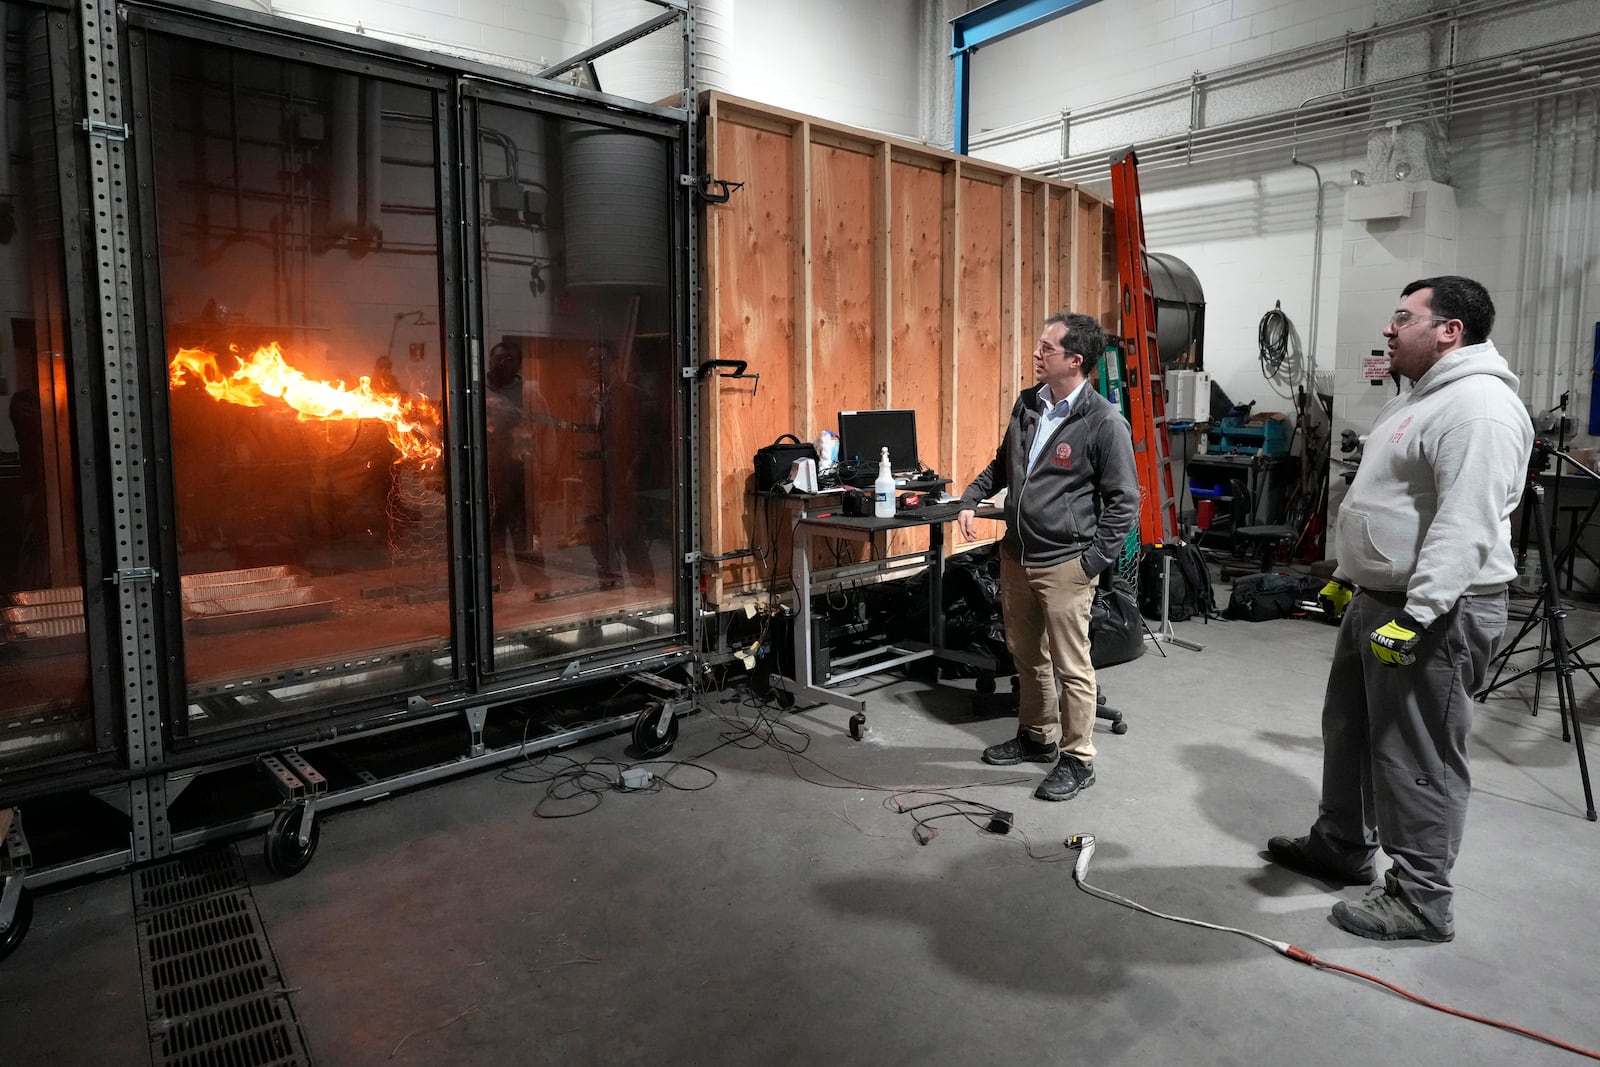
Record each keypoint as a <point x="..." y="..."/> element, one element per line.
<point x="737" y="367"/>
<point x="711" y="190"/>
<point x="110" y="131"/>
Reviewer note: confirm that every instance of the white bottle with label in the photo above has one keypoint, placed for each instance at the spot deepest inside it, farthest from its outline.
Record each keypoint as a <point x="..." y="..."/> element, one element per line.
<point x="883" y="489"/>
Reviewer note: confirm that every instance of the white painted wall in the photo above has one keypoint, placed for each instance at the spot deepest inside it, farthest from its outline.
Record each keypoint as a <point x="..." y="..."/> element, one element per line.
<point x="844" y="60"/>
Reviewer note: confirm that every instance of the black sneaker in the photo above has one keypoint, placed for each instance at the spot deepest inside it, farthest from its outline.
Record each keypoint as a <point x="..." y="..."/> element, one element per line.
<point x="1021" y="748"/>
<point x="1295" y="853"/>
<point x="1070" y="776"/>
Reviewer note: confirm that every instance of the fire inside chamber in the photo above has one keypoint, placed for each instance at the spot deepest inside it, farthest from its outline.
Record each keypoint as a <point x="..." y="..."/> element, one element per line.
<point x="266" y="375"/>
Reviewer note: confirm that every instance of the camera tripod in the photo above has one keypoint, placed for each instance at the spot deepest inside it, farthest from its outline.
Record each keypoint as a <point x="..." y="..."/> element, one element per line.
<point x="1548" y="614"/>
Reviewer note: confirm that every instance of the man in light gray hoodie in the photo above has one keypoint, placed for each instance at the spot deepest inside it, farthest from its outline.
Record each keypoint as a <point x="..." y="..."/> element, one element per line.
<point x="1424" y="558"/>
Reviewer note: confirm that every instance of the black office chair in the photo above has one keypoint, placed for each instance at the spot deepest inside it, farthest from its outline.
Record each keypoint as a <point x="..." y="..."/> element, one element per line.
<point x="1260" y="543"/>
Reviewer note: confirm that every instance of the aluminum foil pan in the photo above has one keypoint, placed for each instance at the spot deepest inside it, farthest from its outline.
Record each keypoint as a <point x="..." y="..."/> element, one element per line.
<point x="192" y="594"/>
<point x="260" y="601"/>
<point x="247" y="574"/>
<point x="42" y="611"/>
<point x="27" y="631"/>
<point x="65" y="595"/>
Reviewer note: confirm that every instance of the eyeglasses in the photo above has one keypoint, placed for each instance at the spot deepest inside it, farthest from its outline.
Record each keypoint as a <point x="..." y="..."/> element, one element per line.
<point x="1401" y="319"/>
<point x="1042" y="349"/>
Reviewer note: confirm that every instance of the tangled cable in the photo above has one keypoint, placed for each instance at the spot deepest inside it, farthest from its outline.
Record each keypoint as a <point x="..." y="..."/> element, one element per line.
<point x="1273" y="338"/>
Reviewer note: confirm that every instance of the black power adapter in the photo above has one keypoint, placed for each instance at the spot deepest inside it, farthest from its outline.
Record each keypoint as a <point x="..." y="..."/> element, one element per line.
<point x="999" y="823"/>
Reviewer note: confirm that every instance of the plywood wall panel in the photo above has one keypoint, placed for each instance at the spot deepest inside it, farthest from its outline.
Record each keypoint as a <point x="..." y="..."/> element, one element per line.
<point x="842" y="284"/>
<point x="756" y="322"/>
<point x="978" y="313"/>
<point x="856" y="271"/>
<point x="916" y="272"/>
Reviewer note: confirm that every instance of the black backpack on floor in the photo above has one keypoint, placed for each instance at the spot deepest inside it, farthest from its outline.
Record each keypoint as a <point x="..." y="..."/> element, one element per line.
<point x="1259" y="597"/>
<point x="1189" y="593"/>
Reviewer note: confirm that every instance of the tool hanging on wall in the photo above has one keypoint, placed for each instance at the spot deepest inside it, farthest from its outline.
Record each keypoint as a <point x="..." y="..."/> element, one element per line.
<point x="1158" y="509"/>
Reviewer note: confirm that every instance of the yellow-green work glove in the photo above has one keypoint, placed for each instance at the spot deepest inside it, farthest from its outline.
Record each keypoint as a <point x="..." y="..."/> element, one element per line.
<point x="1395" y="642"/>
<point x="1335" y="597"/>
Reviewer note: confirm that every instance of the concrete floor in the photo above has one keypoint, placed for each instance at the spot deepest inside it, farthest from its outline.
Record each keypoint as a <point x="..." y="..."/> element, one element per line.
<point x="766" y="919"/>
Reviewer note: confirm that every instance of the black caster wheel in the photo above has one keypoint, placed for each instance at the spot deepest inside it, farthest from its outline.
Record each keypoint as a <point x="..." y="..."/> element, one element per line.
<point x="649" y="738"/>
<point x="1119" y="727"/>
<point x="985" y="684"/>
<point x="858" y="725"/>
<point x="12" y="935"/>
<point x="284" y="855"/>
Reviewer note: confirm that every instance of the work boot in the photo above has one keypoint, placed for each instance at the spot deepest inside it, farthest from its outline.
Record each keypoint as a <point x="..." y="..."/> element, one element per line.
<point x="1020" y="748"/>
<point x="1295" y="853"/>
<point x="1386" y="915"/>
<point x="1070" y="777"/>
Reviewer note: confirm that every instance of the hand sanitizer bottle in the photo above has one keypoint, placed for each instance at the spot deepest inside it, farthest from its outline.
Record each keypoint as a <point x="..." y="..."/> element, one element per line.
<point x="883" y="489"/>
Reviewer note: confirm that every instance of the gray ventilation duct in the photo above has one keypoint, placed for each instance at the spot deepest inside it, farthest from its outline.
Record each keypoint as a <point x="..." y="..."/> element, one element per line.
<point x="617" y="196"/>
<point x="1180" y="309"/>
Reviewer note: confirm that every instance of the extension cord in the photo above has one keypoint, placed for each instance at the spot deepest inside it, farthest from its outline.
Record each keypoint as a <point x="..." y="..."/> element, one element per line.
<point x="637" y="778"/>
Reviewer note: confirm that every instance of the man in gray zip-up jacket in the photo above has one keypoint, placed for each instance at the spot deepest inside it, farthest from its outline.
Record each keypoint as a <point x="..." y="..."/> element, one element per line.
<point x="1425" y="532"/>
<point x="1067" y="461"/>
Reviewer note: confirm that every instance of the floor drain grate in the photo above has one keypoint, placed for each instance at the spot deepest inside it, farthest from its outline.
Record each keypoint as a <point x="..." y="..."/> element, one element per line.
<point x="212" y="988"/>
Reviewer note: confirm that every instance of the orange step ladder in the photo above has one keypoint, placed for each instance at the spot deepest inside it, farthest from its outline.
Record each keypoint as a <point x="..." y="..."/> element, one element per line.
<point x="1147" y="408"/>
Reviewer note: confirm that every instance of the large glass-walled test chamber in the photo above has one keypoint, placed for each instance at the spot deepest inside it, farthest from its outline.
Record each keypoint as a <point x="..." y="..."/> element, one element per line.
<point x="416" y="423"/>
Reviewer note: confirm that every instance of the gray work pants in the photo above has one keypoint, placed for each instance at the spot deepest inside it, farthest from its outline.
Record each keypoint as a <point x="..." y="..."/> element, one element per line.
<point x="1394" y="766"/>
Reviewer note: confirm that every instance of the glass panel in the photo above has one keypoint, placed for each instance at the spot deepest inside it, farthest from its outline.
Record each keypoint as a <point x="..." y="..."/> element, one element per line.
<point x="582" y="436"/>
<point x="298" y="216"/>
<point x="44" y="666"/>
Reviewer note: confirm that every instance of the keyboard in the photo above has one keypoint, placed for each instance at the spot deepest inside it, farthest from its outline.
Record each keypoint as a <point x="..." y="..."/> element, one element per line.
<point x="935" y="512"/>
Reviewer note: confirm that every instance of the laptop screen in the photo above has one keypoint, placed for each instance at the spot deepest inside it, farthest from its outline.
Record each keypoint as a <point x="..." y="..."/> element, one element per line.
<point x="864" y="434"/>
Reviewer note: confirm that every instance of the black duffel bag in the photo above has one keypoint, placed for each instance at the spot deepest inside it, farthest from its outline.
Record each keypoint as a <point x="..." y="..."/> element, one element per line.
<point x="774" y="461"/>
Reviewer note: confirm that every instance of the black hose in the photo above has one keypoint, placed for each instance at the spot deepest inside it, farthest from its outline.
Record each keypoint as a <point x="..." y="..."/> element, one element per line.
<point x="1273" y="337"/>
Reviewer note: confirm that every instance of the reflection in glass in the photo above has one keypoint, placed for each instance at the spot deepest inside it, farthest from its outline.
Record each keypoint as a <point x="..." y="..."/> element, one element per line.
<point x="575" y="231"/>
<point x="44" y="674"/>
<point x="298" y="217"/>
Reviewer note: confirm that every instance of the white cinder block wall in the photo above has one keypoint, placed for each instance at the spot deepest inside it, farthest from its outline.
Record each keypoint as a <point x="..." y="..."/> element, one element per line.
<point x="1523" y="181"/>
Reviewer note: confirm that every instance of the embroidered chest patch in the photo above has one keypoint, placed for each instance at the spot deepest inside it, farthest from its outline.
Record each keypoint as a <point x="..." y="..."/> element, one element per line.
<point x="1062" y="457"/>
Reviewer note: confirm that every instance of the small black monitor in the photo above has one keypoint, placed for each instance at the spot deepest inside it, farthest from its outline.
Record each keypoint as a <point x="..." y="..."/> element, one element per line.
<point x="864" y="434"/>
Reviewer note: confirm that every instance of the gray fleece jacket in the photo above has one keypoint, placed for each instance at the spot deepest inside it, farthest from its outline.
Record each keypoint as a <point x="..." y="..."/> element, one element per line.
<point x="1082" y="497"/>
<point x="1429" y="512"/>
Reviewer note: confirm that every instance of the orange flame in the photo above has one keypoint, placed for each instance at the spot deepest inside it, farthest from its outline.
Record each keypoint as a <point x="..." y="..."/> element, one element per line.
<point x="265" y="373"/>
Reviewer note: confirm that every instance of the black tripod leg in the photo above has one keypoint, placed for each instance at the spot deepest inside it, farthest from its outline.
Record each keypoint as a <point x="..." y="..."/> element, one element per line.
<point x="1560" y="650"/>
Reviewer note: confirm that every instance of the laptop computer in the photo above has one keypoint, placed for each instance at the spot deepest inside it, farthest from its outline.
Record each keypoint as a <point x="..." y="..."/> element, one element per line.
<point x="864" y="434"/>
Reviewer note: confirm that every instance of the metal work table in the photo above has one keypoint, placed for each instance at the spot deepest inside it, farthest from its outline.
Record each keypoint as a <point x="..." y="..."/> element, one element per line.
<point x="816" y="516"/>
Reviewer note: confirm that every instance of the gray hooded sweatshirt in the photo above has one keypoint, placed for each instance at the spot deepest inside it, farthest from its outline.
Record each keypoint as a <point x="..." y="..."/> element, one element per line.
<point x="1429" y="512"/>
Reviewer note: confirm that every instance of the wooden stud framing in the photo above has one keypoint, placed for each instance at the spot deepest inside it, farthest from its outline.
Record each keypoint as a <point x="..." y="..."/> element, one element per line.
<point x="853" y="270"/>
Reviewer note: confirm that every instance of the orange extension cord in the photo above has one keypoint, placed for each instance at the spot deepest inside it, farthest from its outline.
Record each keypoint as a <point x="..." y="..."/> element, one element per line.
<point x="1084" y="845"/>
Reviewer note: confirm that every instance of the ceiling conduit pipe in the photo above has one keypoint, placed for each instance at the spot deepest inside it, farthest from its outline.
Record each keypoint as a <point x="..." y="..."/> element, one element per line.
<point x="372" y="162"/>
<point x="344" y="148"/>
<point x="1562" y="363"/>
<point x="1582" y="361"/>
<point x="1527" y="307"/>
<point x="1316" y="285"/>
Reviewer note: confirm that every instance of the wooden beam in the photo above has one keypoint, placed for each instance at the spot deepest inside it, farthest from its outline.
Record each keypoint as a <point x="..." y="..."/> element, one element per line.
<point x="1074" y="256"/>
<point x="950" y="318"/>
<point x="800" y="340"/>
<point x="882" y="280"/>
<point x="1012" y="336"/>
<point x="1044" y="251"/>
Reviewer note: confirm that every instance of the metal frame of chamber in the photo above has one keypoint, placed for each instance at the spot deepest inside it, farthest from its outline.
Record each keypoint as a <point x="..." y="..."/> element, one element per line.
<point x="140" y="758"/>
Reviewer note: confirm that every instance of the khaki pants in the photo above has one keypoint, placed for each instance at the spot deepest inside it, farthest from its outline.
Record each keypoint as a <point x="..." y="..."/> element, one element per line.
<point x="1047" y="631"/>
